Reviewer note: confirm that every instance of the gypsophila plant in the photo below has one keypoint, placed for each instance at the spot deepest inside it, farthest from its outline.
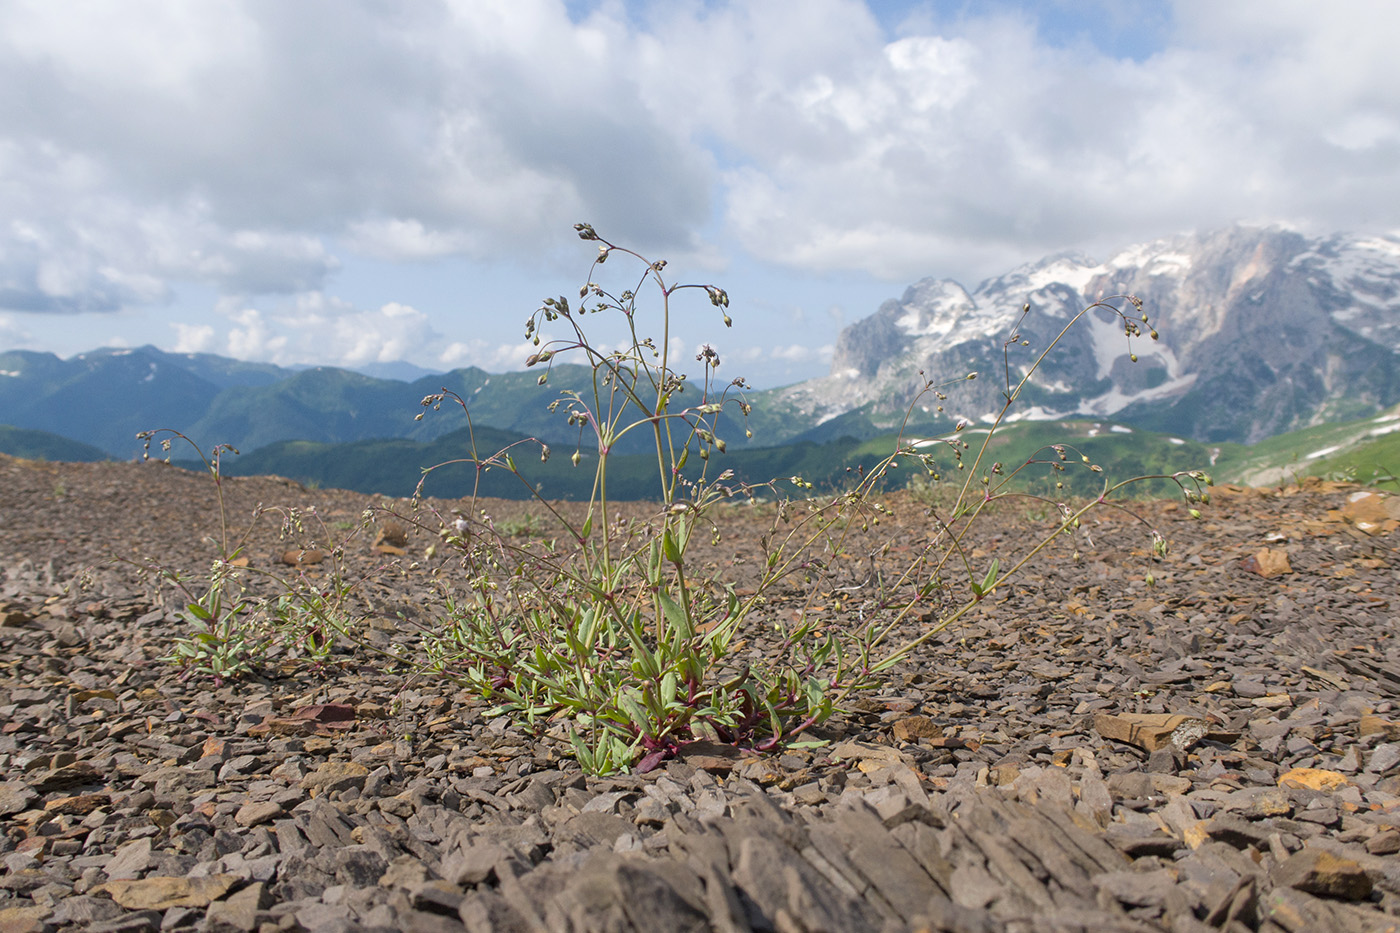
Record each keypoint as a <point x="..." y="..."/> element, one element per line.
<point x="232" y="628"/>
<point x="616" y="633"/>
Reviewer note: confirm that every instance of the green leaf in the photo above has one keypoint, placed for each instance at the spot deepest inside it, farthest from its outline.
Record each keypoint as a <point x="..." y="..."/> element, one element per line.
<point x="644" y="660"/>
<point x="591" y="619"/>
<point x="581" y="752"/>
<point x="636" y="713"/>
<point x="982" y="589"/>
<point x="676" y="616"/>
<point x="670" y="686"/>
<point x="654" y="563"/>
<point x="809" y="743"/>
<point x="669" y="546"/>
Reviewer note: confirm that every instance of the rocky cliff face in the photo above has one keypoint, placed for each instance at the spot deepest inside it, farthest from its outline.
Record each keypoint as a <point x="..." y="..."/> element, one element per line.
<point x="1262" y="330"/>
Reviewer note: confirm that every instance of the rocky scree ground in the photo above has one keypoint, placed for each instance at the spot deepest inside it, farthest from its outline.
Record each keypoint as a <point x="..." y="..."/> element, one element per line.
<point x="1218" y="752"/>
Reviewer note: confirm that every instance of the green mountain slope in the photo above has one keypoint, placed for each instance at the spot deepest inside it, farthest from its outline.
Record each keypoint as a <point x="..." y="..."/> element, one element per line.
<point x="29" y="444"/>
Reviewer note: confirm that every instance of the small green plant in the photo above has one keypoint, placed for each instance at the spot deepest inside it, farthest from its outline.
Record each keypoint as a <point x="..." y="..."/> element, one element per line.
<point x="224" y="640"/>
<point x="625" y="632"/>
<point x="232" y="628"/>
<point x="522" y="526"/>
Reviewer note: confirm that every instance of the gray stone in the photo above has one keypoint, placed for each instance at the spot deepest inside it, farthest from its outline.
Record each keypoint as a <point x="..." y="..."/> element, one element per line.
<point x="1237" y="832"/>
<point x="777" y="886"/>
<point x="610" y="892"/>
<point x="135" y="921"/>
<point x="1137" y="888"/>
<point x="590" y="829"/>
<point x="131" y="860"/>
<point x="16" y="797"/>
<point x="84" y="910"/>
<point x="1384" y="758"/>
<point x="474" y="864"/>
<point x="886" y="864"/>
<point x="319" y="916"/>
<point x="485" y="911"/>
<point x="436" y="896"/>
<point x="359" y="866"/>
<point x="241" y="912"/>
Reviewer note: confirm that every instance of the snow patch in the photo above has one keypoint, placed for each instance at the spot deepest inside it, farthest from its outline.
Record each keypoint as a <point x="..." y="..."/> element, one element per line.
<point x="1109" y="342"/>
<point x="935" y="310"/>
<point x="1386" y="429"/>
<point x="1323" y="452"/>
<point x="1175" y="440"/>
<point x="1114" y="400"/>
<point x="10" y="372"/>
<point x="1119" y="429"/>
<point x="1168" y="264"/>
<point x="1064" y="272"/>
<point x="1034" y="413"/>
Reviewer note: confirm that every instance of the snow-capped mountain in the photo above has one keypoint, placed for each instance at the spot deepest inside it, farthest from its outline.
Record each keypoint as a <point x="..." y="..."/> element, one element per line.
<point x="1262" y="330"/>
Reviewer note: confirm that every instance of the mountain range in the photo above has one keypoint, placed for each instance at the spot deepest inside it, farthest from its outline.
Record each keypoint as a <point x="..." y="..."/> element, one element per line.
<point x="1262" y="331"/>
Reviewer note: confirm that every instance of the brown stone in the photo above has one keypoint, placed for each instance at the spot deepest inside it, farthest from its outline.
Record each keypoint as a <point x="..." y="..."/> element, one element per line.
<point x="1372" y="512"/>
<point x="252" y="814"/>
<point x="328" y="714"/>
<point x="333" y="776"/>
<point x="392" y="534"/>
<point x="1267" y="562"/>
<point x="1372" y="724"/>
<point x="913" y="728"/>
<point x="14" y="618"/>
<point x="80" y="804"/>
<point x="162" y="893"/>
<point x="1312" y="779"/>
<point x="62" y="778"/>
<point x="1151" y="731"/>
<point x="1323" y="873"/>
<point x="25" y="919"/>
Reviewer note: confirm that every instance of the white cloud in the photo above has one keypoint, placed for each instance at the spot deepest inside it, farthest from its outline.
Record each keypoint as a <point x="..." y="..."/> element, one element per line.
<point x="224" y="142"/>
<point x="492" y="357"/>
<point x="789" y="353"/>
<point x="193" y="338"/>
<point x="13" y="334"/>
<point x="252" y="338"/>
<point x="984" y="145"/>
<point x="319" y="329"/>
<point x="150" y="149"/>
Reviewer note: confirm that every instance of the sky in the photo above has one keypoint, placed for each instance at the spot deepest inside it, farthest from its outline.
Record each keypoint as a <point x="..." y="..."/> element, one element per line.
<point x="354" y="183"/>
